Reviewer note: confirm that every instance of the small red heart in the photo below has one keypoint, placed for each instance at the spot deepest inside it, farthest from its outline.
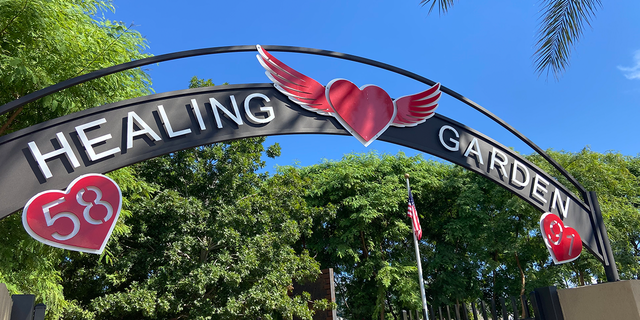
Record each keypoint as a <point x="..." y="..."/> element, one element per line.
<point x="80" y="219"/>
<point x="564" y="243"/>
<point x="368" y="111"/>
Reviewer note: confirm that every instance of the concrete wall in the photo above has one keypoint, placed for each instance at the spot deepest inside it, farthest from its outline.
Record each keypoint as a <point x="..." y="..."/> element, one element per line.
<point x="5" y="303"/>
<point x="611" y="300"/>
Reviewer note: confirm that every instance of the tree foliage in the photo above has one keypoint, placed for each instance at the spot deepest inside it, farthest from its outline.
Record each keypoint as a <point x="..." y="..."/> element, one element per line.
<point x="479" y="240"/>
<point x="215" y="239"/>
<point x="43" y="42"/>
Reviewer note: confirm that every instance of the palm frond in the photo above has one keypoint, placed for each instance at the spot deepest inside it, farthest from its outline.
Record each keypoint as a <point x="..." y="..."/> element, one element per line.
<point x="443" y="5"/>
<point x="561" y="25"/>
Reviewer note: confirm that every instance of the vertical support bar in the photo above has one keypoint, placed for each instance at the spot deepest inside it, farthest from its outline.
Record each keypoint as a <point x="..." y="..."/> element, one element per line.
<point x="534" y="304"/>
<point x="484" y="310"/>
<point x="505" y="314"/>
<point x="404" y="315"/>
<point x="474" y="311"/>
<point x="448" y="313"/>
<point x="494" y="314"/>
<point x="514" y="306"/>
<point x="38" y="312"/>
<point x="440" y="309"/>
<point x="548" y="303"/>
<point x="465" y="312"/>
<point x="610" y="268"/>
<point x="22" y="306"/>
<point x="457" y="311"/>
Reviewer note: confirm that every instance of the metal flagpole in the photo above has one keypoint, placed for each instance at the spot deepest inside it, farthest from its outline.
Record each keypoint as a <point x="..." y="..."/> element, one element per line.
<point x="415" y="242"/>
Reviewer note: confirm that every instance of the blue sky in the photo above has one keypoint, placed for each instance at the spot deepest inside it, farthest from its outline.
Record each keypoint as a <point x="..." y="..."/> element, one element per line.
<point x="481" y="49"/>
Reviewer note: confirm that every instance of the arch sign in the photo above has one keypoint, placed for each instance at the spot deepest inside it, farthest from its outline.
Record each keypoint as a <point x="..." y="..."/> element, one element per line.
<point x="61" y="153"/>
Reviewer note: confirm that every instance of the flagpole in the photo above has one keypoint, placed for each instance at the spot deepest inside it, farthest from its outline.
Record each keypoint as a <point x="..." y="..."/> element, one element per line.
<point x="415" y="242"/>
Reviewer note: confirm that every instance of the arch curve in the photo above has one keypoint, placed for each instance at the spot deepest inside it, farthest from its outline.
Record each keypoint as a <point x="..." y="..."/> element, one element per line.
<point x="51" y="154"/>
<point x="247" y="48"/>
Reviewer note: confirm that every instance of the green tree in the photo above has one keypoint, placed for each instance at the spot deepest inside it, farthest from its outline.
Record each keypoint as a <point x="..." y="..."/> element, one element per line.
<point x="367" y="239"/>
<point x="479" y="240"/>
<point x="560" y="29"/>
<point x="43" y="42"/>
<point x="616" y="180"/>
<point x="215" y="240"/>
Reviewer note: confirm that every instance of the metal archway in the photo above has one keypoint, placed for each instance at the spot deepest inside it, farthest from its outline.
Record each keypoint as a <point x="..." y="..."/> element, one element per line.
<point x="17" y="153"/>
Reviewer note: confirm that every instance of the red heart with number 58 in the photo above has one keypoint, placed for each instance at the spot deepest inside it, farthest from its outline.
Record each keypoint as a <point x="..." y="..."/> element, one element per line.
<point x="80" y="218"/>
<point x="564" y="243"/>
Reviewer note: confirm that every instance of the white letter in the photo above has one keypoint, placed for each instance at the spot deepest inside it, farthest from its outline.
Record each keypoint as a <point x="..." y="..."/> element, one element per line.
<point x="456" y="144"/>
<point x="88" y="144"/>
<point x="215" y="105"/>
<point x="42" y="159"/>
<point x="564" y="209"/>
<point x="538" y="187"/>
<point x="268" y="110"/>
<point x="167" y="124"/>
<point x="475" y="151"/>
<point x="494" y="153"/>
<point x="196" y="110"/>
<point x="514" y="174"/>
<point x="145" y="129"/>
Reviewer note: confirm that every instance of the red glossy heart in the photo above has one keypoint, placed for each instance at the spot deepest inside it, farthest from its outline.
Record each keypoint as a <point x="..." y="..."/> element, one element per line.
<point x="564" y="243"/>
<point x="80" y="218"/>
<point x="366" y="111"/>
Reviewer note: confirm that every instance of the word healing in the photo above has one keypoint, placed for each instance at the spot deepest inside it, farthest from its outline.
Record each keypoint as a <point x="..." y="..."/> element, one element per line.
<point x="170" y="125"/>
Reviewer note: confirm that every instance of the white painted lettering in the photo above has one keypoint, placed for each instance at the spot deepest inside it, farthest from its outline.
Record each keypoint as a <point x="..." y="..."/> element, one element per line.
<point x="456" y="144"/>
<point x="196" y="111"/>
<point x="268" y="110"/>
<point x="502" y="161"/>
<point x="514" y="174"/>
<point x="557" y="199"/>
<point x="215" y="105"/>
<point x="42" y="159"/>
<point x="474" y="148"/>
<point x="167" y="124"/>
<point x="538" y="189"/>
<point x="146" y="130"/>
<point x="88" y="143"/>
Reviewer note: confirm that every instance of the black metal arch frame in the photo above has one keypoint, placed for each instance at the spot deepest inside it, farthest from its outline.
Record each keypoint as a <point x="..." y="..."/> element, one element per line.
<point x="247" y="48"/>
<point x="588" y="197"/>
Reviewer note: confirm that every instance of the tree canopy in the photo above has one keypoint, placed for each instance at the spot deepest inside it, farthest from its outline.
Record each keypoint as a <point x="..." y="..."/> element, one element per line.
<point x="43" y="42"/>
<point x="205" y="234"/>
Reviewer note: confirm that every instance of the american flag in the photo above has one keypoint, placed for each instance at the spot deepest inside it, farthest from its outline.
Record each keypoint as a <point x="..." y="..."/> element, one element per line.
<point x="413" y="214"/>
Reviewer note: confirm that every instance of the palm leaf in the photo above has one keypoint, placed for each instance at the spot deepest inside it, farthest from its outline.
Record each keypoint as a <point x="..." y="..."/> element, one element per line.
<point x="443" y="5"/>
<point x="561" y="26"/>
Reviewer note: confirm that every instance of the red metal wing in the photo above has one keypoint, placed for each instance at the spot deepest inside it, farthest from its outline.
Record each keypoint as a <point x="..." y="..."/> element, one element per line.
<point x="301" y="89"/>
<point x="417" y="108"/>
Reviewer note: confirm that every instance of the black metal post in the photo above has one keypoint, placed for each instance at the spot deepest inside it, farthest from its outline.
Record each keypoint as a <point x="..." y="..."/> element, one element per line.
<point x="610" y="268"/>
<point x="39" y="311"/>
<point x="548" y="304"/>
<point x="22" y="306"/>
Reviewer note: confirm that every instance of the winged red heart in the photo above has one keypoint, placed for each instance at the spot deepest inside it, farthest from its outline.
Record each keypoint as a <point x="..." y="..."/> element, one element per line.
<point x="80" y="218"/>
<point x="564" y="243"/>
<point x="365" y="112"/>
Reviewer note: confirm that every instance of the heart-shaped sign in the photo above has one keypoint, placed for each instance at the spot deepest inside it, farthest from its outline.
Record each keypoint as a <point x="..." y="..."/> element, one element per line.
<point x="80" y="218"/>
<point x="367" y="111"/>
<point x="564" y="243"/>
